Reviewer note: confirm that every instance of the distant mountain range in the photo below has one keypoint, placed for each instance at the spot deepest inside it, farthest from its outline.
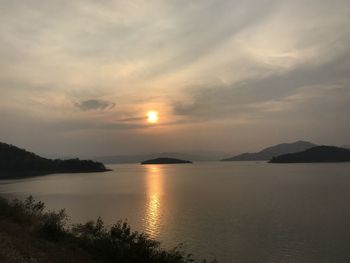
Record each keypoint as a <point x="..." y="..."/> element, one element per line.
<point x="16" y="160"/>
<point x="137" y="158"/>
<point x="318" y="154"/>
<point x="270" y="152"/>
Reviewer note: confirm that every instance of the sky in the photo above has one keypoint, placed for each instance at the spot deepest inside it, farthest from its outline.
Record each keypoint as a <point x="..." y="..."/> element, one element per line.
<point x="78" y="77"/>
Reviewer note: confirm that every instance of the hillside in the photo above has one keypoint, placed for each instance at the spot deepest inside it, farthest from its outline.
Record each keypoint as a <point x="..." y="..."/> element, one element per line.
<point x="315" y="155"/>
<point x="16" y="160"/>
<point x="270" y="152"/>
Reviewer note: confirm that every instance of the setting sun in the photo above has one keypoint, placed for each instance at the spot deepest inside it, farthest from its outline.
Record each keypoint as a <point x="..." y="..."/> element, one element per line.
<point x="152" y="116"/>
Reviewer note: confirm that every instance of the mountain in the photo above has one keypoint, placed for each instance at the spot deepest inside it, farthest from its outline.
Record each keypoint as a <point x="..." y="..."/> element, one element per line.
<point x="270" y="152"/>
<point x="20" y="161"/>
<point x="165" y="160"/>
<point x="346" y="146"/>
<point x="318" y="154"/>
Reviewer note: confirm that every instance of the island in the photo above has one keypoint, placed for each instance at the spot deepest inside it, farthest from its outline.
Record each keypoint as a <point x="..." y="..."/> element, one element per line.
<point x="165" y="160"/>
<point x="17" y="162"/>
<point x="318" y="154"/>
<point x="269" y="152"/>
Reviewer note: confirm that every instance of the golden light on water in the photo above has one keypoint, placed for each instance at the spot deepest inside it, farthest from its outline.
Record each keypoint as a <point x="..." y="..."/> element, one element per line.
<point x="152" y="116"/>
<point x="154" y="181"/>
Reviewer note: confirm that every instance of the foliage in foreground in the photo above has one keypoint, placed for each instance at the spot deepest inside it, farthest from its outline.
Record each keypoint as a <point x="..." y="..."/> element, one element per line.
<point x="117" y="243"/>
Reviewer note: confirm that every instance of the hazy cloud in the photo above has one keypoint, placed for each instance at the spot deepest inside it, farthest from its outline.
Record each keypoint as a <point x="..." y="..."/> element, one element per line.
<point x="225" y="100"/>
<point x="243" y="69"/>
<point x="95" y="104"/>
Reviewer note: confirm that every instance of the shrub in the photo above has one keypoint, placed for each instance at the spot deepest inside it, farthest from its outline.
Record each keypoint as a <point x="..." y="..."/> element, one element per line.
<point x="117" y="243"/>
<point x="53" y="225"/>
<point x="27" y="211"/>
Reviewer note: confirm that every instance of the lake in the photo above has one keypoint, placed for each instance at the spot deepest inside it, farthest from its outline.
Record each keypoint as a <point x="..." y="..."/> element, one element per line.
<point x="233" y="211"/>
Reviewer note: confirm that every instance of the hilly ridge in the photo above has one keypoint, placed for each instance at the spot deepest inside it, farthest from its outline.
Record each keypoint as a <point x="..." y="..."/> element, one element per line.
<point x="270" y="152"/>
<point x="17" y="160"/>
<point x="318" y="154"/>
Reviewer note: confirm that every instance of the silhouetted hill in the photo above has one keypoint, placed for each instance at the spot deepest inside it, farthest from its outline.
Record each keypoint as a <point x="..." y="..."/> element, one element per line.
<point x="16" y="160"/>
<point x="165" y="161"/>
<point x="270" y="152"/>
<point x="318" y="154"/>
<point x="137" y="158"/>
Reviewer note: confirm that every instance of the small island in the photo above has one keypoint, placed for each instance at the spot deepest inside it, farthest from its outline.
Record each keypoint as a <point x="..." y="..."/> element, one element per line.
<point x="165" y="160"/>
<point x="16" y="162"/>
<point x="318" y="154"/>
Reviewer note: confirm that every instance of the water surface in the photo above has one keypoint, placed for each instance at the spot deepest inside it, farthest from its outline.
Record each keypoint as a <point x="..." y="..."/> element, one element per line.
<point x="236" y="211"/>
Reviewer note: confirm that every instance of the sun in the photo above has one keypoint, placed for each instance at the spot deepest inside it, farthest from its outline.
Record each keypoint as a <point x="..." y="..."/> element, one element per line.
<point x="152" y="116"/>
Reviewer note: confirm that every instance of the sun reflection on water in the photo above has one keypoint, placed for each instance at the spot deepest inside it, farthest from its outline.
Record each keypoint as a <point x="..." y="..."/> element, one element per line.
<point x="154" y="183"/>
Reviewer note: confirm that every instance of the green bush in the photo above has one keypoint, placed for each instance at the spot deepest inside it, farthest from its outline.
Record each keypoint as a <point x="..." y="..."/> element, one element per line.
<point x="53" y="225"/>
<point x="120" y="244"/>
<point x="117" y="243"/>
<point x="27" y="211"/>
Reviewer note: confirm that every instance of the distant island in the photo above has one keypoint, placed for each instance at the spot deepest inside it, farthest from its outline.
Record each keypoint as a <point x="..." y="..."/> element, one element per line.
<point x="270" y="152"/>
<point x="165" y="160"/>
<point x="200" y="156"/>
<point x="318" y="154"/>
<point x="16" y="162"/>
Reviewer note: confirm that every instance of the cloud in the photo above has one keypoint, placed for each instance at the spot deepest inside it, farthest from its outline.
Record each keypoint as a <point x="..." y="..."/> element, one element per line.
<point x="95" y="104"/>
<point x="131" y="119"/>
<point x="200" y="63"/>
<point x="227" y="100"/>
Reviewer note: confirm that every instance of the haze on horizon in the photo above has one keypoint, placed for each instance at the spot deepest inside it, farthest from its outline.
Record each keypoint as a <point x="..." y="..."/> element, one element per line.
<point x="78" y="77"/>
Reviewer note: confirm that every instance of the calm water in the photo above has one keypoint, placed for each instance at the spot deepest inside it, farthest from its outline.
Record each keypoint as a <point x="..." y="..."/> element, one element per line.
<point x="236" y="212"/>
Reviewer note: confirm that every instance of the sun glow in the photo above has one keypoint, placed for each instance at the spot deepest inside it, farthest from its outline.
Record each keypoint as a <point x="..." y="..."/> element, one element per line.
<point x="152" y="116"/>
